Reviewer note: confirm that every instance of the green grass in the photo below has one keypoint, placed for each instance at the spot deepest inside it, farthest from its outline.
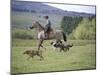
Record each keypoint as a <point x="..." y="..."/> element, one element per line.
<point x="80" y="56"/>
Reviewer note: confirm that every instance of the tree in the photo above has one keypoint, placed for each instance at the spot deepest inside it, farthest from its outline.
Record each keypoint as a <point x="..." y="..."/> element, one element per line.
<point x="68" y="24"/>
<point x="86" y="29"/>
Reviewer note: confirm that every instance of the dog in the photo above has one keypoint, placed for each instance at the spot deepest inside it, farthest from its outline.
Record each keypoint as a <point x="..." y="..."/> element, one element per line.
<point x="56" y="45"/>
<point x="59" y="44"/>
<point x="67" y="47"/>
<point x="32" y="53"/>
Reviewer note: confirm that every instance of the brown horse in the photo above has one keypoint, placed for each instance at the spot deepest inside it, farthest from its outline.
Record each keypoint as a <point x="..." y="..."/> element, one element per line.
<point x="54" y="34"/>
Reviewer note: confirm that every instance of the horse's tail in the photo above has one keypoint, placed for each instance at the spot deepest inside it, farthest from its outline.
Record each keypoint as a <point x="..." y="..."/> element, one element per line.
<point x="64" y="36"/>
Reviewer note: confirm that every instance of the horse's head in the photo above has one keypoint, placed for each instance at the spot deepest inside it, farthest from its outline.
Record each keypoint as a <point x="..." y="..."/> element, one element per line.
<point x="34" y="24"/>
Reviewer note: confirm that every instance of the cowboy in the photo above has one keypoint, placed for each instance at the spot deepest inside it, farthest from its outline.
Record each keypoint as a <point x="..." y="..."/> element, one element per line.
<point x="47" y="26"/>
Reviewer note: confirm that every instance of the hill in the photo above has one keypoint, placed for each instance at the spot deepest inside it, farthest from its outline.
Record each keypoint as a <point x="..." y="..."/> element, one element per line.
<point x="38" y="7"/>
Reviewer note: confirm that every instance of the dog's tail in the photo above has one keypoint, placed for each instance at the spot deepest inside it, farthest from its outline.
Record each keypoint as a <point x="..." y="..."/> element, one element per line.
<point x="64" y="36"/>
<point x="51" y="43"/>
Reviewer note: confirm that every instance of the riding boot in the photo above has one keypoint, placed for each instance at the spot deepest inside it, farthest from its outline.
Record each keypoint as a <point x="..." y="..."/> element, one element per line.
<point x="46" y="36"/>
<point x="45" y="33"/>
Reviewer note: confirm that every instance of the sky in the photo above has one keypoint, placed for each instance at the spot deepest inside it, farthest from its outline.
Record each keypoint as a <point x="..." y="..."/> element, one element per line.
<point x="77" y="8"/>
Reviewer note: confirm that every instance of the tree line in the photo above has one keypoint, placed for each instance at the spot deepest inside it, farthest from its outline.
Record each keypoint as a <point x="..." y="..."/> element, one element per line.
<point x="79" y="27"/>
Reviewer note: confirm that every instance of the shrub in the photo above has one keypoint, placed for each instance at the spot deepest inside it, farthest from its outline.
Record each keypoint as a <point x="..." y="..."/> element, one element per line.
<point x="22" y="34"/>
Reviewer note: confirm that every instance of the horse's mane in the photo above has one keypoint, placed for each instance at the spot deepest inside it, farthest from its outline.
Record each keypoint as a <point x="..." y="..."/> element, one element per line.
<point x="40" y="25"/>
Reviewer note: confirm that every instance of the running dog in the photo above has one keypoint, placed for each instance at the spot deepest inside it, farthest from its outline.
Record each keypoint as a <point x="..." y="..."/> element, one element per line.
<point x="32" y="53"/>
<point x="61" y="46"/>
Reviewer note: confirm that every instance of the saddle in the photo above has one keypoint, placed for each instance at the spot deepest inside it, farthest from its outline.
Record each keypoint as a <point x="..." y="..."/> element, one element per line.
<point x="48" y="31"/>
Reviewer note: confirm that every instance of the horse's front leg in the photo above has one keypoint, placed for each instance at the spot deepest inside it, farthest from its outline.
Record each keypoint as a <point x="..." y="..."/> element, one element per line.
<point x="43" y="47"/>
<point x="40" y="44"/>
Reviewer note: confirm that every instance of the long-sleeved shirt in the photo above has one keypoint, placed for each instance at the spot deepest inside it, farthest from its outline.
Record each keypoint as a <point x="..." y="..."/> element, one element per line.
<point x="48" y="23"/>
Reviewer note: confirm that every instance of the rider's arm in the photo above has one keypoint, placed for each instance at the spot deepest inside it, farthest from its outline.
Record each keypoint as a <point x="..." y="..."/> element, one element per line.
<point x="48" y="23"/>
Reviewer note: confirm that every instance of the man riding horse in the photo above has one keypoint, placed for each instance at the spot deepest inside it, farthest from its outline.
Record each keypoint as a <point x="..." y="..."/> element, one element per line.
<point x="44" y="32"/>
<point x="47" y="26"/>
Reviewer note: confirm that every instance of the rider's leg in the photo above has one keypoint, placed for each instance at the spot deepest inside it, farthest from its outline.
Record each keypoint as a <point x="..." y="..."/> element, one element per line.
<point x="48" y="31"/>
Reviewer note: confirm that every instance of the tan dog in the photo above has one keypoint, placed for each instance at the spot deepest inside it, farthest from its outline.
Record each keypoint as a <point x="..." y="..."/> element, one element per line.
<point x="33" y="53"/>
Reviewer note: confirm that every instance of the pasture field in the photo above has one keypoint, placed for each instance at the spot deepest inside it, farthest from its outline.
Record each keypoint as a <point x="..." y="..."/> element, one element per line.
<point x="24" y="19"/>
<point x="80" y="56"/>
